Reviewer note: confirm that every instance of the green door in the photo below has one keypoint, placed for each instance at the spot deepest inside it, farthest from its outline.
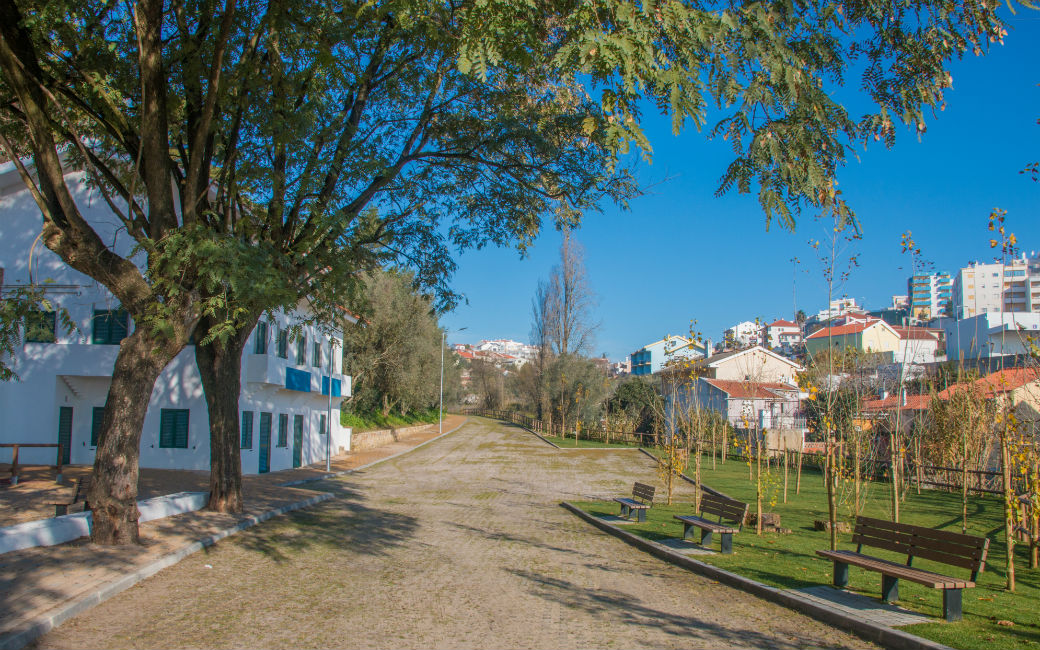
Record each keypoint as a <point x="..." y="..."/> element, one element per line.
<point x="297" y="441"/>
<point x="265" y="442"/>
<point x="65" y="434"/>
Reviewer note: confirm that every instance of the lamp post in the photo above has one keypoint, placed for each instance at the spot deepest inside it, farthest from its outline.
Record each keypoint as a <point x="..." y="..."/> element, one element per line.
<point x="440" y="404"/>
<point x="328" y="417"/>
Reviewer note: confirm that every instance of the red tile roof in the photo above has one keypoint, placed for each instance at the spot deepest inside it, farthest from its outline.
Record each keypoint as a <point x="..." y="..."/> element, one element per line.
<point x="843" y="330"/>
<point x="783" y="323"/>
<point x="750" y="390"/>
<point x="913" y="403"/>
<point x="998" y="382"/>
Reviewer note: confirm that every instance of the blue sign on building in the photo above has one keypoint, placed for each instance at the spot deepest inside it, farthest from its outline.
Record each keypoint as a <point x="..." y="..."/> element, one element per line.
<point x="298" y="380"/>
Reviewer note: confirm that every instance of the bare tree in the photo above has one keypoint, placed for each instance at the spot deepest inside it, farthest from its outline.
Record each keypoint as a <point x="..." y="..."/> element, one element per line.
<point x="569" y="301"/>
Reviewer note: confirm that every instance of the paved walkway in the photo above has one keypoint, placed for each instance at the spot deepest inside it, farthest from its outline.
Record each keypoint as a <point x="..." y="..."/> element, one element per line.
<point x="39" y="581"/>
<point x="458" y="544"/>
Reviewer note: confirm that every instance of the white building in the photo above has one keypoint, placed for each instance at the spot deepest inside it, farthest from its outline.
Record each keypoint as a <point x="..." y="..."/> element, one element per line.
<point x="516" y="349"/>
<point x="64" y="376"/>
<point x="992" y="334"/>
<point x="997" y="287"/>
<point x="838" y="308"/>
<point x="783" y="335"/>
<point x="743" y="335"/>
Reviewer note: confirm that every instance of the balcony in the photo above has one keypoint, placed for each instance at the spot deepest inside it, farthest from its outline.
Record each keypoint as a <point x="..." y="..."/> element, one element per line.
<point x="275" y="371"/>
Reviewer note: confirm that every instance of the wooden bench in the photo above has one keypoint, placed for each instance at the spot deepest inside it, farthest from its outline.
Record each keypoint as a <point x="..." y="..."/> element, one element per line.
<point x="730" y="510"/>
<point x="79" y="493"/>
<point x="955" y="549"/>
<point x="641" y="501"/>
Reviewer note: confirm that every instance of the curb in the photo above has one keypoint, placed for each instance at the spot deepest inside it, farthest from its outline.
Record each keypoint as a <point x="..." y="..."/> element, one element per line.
<point x="886" y="637"/>
<point x="39" y="626"/>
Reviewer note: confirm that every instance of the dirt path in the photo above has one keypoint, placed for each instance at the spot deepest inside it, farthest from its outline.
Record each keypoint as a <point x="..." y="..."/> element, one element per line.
<point x="459" y="544"/>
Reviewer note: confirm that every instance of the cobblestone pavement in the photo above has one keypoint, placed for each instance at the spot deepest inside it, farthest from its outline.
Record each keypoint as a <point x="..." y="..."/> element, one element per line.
<point x="459" y="544"/>
<point x="40" y="581"/>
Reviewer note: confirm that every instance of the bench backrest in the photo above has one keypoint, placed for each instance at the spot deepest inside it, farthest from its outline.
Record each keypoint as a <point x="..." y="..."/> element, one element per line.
<point x="643" y="492"/>
<point x="724" y="508"/>
<point x="965" y="551"/>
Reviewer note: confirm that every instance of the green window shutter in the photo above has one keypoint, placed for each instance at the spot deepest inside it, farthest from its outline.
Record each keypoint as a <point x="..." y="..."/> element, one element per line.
<point x="247" y="429"/>
<point x="166" y="428"/>
<point x="283" y="344"/>
<point x="260" y="338"/>
<point x="301" y="350"/>
<point x="120" y="326"/>
<point x="173" y="428"/>
<point x="95" y="425"/>
<point x="100" y="333"/>
<point x="283" y="429"/>
<point x="65" y="433"/>
<point x="316" y="355"/>
<point x="322" y="424"/>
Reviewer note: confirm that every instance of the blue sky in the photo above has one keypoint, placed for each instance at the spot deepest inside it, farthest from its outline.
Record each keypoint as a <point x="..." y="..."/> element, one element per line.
<point x="680" y="254"/>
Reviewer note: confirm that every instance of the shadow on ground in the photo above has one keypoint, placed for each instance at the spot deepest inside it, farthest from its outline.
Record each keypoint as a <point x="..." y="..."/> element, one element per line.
<point x="341" y="522"/>
<point x="623" y="608"/>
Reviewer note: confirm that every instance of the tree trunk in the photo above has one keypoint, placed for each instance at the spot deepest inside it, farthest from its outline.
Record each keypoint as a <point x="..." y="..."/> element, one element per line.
<point x="113" y="490"/>
<point x="1009" y="508"/>
<point x="220" y="366"/>
<point x="832" y="506"/>
<point x="896" y="457"/>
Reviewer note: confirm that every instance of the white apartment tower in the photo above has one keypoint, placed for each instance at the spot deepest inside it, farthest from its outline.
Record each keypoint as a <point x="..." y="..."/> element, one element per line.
<point x="997" y="287"/>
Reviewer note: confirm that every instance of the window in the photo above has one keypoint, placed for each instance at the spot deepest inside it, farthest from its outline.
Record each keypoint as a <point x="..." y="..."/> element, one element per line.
<point x="95" y="425"/>
<point x="316" y="355"/>
<point x="110" y="326"/>
<point x="301" y="350"/>
<point x="39" y="326"/>
<point x="321" y="424"/>
<point x="173" y="428"/>
<point x="283" y="430"/>
<point x="247" y="430"/>
<point x="283" y="344"/>
<point x="260" y="338"/>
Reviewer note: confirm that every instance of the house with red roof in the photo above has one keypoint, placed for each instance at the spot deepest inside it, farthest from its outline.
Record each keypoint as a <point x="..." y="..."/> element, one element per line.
<point x="782" y="335"/>
<point x="896" y="344"/>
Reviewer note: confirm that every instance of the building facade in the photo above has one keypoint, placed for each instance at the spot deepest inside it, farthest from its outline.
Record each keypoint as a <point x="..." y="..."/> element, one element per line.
<point x="64" y="376"/>
<point x="929" y="295"/>
<point x="783" y="335"/>
<point x="997" y="287"/>
<point x="652" y="357"/>
<point x="743" y="335"/>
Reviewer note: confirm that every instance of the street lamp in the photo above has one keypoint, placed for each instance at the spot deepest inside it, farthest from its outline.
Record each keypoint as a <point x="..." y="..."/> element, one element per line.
<point x="440" y="405"/>
<point x="328" y="417"/>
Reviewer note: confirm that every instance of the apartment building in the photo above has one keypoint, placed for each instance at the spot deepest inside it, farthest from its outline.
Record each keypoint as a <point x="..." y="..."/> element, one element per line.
<point x="289" y="367"/>
<point x="782" y="335"/>
<point x="929" y="295"/>
<point x="997" y="287"/>
<point x="652" y="357"/>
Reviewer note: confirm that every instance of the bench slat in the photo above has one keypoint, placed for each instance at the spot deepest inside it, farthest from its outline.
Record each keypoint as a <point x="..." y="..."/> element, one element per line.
<point x="894" y="569"/>
<point x="704" y="523"/>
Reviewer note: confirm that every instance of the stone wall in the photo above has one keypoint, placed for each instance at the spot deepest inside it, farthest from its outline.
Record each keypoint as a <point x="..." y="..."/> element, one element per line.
<point x="360" y="441"/>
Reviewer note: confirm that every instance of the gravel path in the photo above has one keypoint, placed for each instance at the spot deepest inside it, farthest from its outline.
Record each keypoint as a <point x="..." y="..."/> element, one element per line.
<point x="460" y="544"/>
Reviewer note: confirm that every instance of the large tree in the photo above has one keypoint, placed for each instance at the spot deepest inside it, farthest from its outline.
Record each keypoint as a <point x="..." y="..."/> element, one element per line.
<point x="241" y="142"/>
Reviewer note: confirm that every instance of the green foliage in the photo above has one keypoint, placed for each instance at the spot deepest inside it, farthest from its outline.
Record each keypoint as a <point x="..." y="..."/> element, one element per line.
<point x="394" y="354"/>
<point x="375" y="420"/>
<point x="638" y="398"/>
<point x="20" y="310"/>
<point x="576" y="389"/>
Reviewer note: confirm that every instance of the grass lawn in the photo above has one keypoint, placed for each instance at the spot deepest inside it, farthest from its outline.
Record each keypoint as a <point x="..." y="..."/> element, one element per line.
<point x="589" y="444"/>
<point x="790" y="560"/>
